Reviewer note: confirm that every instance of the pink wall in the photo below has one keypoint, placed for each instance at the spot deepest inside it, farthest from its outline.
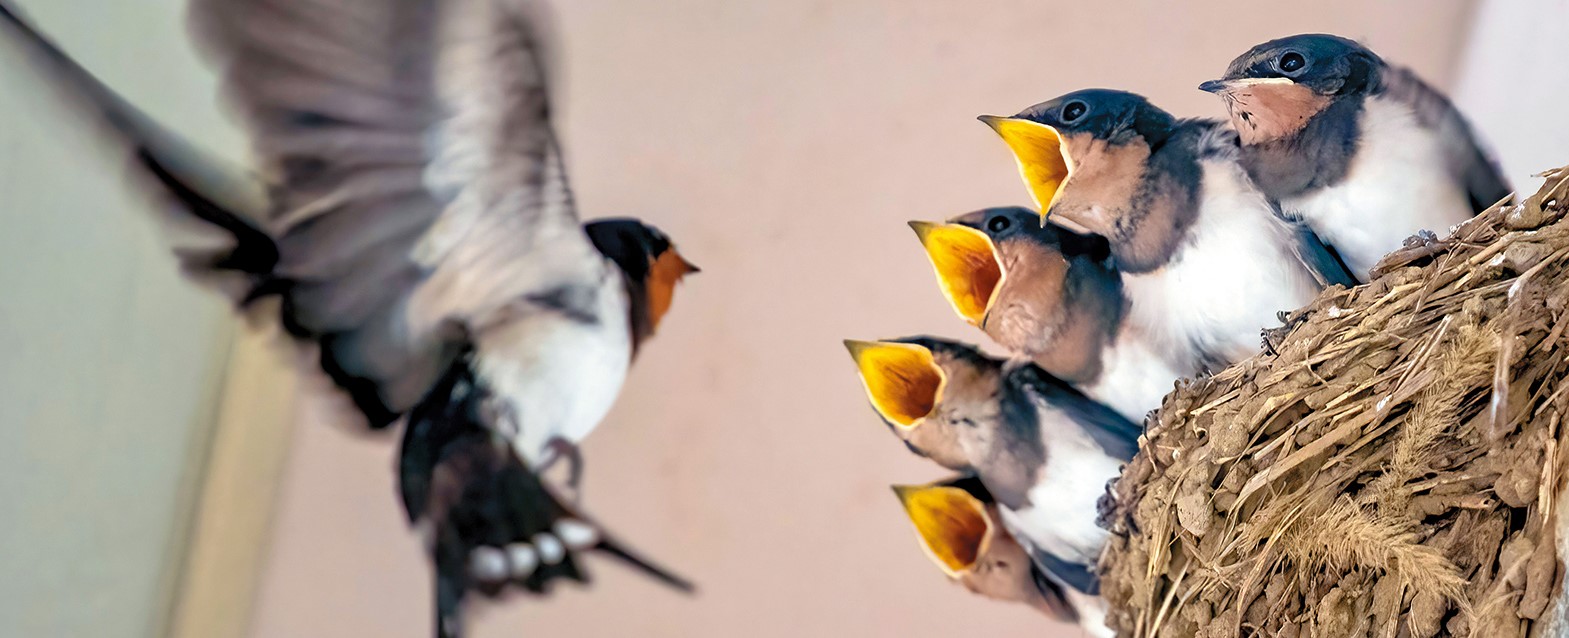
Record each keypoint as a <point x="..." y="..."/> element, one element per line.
<point x="783" y="144"/>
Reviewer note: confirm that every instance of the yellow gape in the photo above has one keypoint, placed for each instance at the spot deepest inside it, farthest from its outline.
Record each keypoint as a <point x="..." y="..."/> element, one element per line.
<point x="1043" y="161"/>
<point x="952" y="525"/>
<point x="968" y="269"/>
<point x="902" y="379"/>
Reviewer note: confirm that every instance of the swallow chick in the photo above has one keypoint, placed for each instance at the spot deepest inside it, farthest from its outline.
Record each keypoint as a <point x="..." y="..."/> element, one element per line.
<point x="1363" y="151"/>
<point x="924" y="388"/>
<point x="1206" y="263"/>
<point x="960" y="529"/>
<point x="1053" y="295"/>
<point x="1044" y="450"/>
<point x="410" y="212"/>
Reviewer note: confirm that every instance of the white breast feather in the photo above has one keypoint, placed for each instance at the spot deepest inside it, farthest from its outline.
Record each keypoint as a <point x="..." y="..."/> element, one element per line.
<point x="1134" y="378"/>
<point x="1228" y="282"/>
<point x="1062" y="511"/>
<point x="560" y="375"/>
<point x="1397" y="184"/>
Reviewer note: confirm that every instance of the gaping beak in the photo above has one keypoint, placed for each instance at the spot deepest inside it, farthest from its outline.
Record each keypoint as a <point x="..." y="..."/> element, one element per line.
<point x="1043" y="160"/>
<point x="967" y="266"/>
<point x="951" y="524"/>
<point x="902" y="380"/>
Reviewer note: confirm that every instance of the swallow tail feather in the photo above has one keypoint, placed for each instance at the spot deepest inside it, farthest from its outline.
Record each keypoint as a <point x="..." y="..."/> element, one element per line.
<point x="490" y="521"/>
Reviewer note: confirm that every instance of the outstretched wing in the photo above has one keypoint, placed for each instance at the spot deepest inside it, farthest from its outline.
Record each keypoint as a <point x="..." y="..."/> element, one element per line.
<point x="417" y="179"/>
<point x="407" y="176"/>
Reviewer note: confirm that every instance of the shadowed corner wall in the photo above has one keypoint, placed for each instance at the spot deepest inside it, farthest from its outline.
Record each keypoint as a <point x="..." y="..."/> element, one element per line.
<point x="783" y="145"/>
<point x="110" y="365"/>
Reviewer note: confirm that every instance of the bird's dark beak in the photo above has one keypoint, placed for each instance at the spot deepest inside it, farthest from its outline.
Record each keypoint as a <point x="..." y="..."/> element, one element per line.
<point x="1213" y="86"/>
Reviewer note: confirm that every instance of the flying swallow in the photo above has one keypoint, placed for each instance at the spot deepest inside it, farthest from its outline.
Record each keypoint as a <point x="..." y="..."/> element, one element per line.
<point x="410" y="210"/>
<point x="958" y="525"/>
<point x="1053" y="295"/>
<point x="1206" y="262"/>
<point x="1364" y="152"/>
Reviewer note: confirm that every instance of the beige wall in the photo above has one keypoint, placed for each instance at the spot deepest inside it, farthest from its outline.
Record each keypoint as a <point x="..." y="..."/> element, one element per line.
<point x="783" y="144"/>
<point x="110" y="365"/>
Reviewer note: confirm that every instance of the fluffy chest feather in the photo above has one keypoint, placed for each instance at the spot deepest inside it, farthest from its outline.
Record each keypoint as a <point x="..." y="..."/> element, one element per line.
<point x="1234" y="272"/>
<point x="1398" y="183"/>
<point x="558" y="372"/>
<point x="1060" y="517"/>
<point x="1134" y="378"/>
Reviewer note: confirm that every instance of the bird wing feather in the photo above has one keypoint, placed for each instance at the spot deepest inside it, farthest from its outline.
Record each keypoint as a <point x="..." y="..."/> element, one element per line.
<point x="1472" y="164"/>
<point x="407" y="177"/>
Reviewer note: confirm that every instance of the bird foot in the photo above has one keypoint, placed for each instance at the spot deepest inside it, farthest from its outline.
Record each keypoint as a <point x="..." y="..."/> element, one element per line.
<point x="559" y="449"/>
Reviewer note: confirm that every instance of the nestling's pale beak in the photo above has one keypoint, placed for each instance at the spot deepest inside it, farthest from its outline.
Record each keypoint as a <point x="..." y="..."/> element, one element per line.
<point x="902" y="380"/>
<point x="1043" y="160"/>
<point x="968" y="269"/>
<point x="951" y="524"/>
<point x="1221" y="87"/>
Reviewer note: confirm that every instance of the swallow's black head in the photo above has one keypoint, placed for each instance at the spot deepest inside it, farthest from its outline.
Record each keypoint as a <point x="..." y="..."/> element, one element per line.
<point x="1328" y="64"/>
<point x="650" y="263"/>
<point x="1106" y="114"/>
<point x="1007" y="223"/>
<point x="632" y="244"/>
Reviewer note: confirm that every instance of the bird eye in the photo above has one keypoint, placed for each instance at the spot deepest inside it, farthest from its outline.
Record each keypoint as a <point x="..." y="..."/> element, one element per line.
<point x="1073" y="111"/>
<point x="1291" y="62"/>
<point x="998" y="224"/>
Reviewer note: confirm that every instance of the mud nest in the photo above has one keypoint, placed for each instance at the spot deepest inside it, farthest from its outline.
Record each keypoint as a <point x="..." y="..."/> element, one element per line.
<point x="1388" y="467"/>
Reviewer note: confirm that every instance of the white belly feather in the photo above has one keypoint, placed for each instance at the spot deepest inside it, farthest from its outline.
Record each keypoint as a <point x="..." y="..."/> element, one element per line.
<point x="1134" y="378"/>
<point x="561" y="375"/>
<point x="1397" y="184"/>
<point x="1237" y="271"/>
<point x="1063" y="502"/>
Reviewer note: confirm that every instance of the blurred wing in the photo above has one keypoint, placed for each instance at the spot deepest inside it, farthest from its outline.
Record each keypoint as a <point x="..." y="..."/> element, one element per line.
<point x="1477" y="170"/>
<point x="416" y="181"/>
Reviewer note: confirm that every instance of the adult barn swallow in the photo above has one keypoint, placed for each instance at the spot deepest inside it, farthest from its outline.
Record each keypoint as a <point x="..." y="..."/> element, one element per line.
<point x="959" y="527"/>
<point x="1043" y="449"/>
<point x="1053" y="295"/>
<point x="1364" y="152"/>
<point x="411" y="212"/>
<point x="925" y="389"/>
<point x="1205" y="261"/>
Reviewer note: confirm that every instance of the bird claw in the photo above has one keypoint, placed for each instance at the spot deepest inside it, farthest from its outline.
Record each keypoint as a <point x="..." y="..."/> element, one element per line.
<point x="559" y="449"/>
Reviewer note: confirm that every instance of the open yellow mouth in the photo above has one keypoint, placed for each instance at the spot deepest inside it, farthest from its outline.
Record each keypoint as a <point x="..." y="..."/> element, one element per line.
<point x="968" y="268"/>
<point x="1043" y="159"/>
<point x="902" y="380"/>
<point x="952" y="525"/>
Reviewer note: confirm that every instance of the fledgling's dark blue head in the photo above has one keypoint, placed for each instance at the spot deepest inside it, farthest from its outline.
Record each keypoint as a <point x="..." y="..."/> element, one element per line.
<point x="1091" y="158"/>
<point x="1275" y="89"/>
<point x="1005" y="224"/>
<point x="1105" y="114"/>
<point x="1328" y="64"/>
